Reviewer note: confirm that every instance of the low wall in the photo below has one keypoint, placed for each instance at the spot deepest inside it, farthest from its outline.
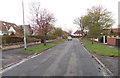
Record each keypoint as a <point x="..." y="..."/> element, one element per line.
<point x="111" y="41"/>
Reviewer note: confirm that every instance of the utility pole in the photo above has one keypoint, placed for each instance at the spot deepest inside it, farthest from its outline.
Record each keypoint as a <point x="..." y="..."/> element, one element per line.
<point x="25" y="47"/>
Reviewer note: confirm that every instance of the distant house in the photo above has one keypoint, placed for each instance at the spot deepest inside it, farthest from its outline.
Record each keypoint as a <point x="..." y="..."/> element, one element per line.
<point x="110" y="35"/>
<point x="110" y="31"/>
<point x="8" y="28"/>
<point x="116" y="30"/>
<point x="78" y="33"/>
<point x="28" y="29"/>
<point x="115" y="34"/>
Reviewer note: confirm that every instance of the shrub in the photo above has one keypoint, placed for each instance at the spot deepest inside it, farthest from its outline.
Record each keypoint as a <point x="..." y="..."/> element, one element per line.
<point x="11" y="39"/>
<point x="14" y="39"/>
<point x="7" y="39"/>
<point x="29" y="39"/>
<point x="50" y="37"/>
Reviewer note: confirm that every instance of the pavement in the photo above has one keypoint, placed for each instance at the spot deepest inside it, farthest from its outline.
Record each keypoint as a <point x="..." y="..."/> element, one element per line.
<point x="112" y="63"/>
<point x="12" y="56"/>
<point x="67" y="59"/>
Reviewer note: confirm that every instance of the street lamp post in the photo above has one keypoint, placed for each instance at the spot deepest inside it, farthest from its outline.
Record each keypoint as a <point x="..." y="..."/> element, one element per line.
<point x="24" y="26"/>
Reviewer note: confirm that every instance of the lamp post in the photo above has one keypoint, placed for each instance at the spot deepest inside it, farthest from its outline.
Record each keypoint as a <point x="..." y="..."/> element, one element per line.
<point x="24" y="26"/>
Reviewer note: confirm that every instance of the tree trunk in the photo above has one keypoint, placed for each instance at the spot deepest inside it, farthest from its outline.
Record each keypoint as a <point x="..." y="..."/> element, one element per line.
<point x="82" y="36"/>
<point x="45" y="40"/>
<point x="92" y="41"/>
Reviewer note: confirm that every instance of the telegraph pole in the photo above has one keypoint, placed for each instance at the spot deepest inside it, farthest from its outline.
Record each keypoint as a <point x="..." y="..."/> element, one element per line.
<point x="25" y="47"/>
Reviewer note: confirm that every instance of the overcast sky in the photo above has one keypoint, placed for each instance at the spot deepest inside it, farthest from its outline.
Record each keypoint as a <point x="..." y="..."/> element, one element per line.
<point x="65" y="11"/>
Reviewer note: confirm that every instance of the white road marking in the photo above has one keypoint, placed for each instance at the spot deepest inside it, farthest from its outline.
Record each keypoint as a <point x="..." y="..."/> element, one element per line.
<point x="87" y="51"/>
<point x="24" y="60"/>
<point x="100" y="64"/>
<point x="103" y="66"/>
<point x="104" y="74"/>
<point x="12" y="67"/>
<point x="103" y="71"/>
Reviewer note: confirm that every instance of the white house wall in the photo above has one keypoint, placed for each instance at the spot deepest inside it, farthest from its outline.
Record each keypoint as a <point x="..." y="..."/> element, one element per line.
<point x="1" y="33"/>
<point x="12" y="29"/>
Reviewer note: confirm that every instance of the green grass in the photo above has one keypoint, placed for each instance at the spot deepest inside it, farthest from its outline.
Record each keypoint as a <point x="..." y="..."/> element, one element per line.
<point x="100" y="49"/>
<point x="59" y="42"/>
<point x="41" y="47"/>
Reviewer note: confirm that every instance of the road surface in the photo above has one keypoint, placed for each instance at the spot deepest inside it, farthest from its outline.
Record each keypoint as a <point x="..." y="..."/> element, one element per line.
<point x="13" y="55"/>
<point x="67" y="59"/>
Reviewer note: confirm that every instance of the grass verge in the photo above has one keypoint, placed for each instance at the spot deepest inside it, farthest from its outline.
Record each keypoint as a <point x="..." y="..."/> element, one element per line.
<point x="100" y="49"/>
<point x="41" y="47"/>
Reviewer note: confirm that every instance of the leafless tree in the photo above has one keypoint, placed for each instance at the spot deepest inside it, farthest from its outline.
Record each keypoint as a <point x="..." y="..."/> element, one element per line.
<point x="42" y="19"/>
<point x="77" y="21"/>
<point x="70" y="31"/>
<point x="81" y="21"/>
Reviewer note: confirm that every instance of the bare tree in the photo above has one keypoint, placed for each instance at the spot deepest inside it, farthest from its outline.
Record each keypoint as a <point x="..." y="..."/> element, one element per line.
<point x="42" y="19"/>
<point x="77" y="21"/>
<point x="70" y="32"/>
<point x="82" y="24"/>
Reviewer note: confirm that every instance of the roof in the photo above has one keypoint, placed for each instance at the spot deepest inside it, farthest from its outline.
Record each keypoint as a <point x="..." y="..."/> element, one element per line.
<point x="5" y="26"/>
<point x="114" y="30"/>
<point x="77" y="32"/>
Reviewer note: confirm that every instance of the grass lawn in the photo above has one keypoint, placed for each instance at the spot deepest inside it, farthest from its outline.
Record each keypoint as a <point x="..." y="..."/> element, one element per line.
<point x="41" y="47"/>
<point x="100" y="49"/>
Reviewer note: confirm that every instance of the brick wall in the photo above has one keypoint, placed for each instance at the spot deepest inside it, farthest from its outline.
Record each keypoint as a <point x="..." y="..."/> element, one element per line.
<point x="111" y="41"/>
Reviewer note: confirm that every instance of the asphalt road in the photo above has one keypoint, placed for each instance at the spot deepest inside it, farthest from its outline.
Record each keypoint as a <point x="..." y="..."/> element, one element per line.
<point x="67" y="59"/>
<point x="13" y="55"/>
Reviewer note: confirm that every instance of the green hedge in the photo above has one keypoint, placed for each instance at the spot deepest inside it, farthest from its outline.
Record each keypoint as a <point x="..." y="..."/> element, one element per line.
<point x="14" y="39"/>
<point x="29" y="40"/>
<point x="11" y="39"/>
<point x="48" y="37"/>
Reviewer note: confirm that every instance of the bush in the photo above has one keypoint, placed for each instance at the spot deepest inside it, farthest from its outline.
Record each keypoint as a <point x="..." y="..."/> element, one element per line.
<point x="34" y="36"/>
<point x="11" y="39"/>
<point x="6" y="39"/>
<point x="32" y="40"/>
<point x="50" y="37"/>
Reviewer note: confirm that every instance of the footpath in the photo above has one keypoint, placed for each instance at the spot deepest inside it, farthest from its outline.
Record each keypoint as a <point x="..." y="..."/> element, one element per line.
<point x="112" y="63"/>
<point x="11" y="54"/>
<point x="22" y="45"/>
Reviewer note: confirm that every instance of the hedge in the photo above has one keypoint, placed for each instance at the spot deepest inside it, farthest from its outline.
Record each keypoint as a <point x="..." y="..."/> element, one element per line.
<point x="14" y="39"/>
<point x="11" y="39"/>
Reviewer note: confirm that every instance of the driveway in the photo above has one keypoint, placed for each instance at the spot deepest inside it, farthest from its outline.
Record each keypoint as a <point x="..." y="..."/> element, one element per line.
<point x="67" y="59"/>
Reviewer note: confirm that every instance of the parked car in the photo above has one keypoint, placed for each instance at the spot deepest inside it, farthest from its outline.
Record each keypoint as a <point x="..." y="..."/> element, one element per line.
<point x="69" y="38"/>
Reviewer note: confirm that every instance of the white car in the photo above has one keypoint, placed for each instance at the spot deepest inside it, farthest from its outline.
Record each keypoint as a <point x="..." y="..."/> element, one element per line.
<point x="69" y="38"/>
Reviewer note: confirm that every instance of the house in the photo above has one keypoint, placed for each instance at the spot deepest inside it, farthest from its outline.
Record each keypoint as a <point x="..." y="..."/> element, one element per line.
<point x="8" y="28"/>
<point x="116" y="30"/>
<point x="112" y="40"/>
<point x="112" y="31"/>
<point x="28" y="29"/>
<point x="113" y="35"/>
<point x="78" y="33"/>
